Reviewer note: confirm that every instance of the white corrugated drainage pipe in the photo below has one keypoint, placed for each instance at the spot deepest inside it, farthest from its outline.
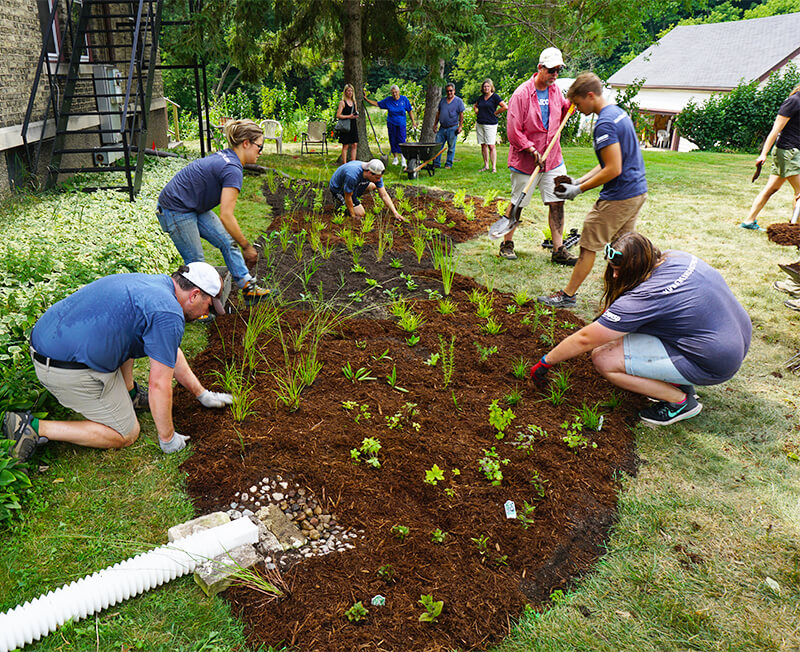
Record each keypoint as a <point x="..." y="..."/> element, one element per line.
<point x="32" y="620"/>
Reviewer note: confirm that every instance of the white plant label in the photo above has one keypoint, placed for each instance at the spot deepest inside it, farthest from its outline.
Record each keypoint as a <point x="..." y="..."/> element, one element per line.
<point x="511" y="509"/>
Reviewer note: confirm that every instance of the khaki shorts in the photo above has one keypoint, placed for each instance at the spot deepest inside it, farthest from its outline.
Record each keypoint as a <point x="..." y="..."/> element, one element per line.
<point x="486" y="134"/>
<point x="608" y="220"/>
<point x="100" y="397"/>
<point x="547" y="186"/>
<point x="786" y="162"/>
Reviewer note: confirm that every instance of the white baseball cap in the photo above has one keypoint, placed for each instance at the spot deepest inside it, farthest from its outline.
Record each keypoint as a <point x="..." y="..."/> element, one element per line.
<point x="376" y="166"/>
<point x="551" y="57"/>
<point x="206" y="278"/>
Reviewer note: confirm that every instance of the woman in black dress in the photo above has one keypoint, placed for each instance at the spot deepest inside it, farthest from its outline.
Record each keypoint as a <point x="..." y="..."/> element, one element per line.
<point x="348" y="110"/>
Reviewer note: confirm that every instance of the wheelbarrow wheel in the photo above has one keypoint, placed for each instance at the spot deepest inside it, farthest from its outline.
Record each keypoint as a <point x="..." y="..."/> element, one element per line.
<point x="411" y="168"/>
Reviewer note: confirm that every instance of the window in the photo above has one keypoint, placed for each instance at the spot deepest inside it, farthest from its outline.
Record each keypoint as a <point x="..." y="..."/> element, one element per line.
<point x="54" y="46"/>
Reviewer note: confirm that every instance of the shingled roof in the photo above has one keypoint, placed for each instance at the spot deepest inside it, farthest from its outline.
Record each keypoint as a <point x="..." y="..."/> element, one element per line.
<point x="717" y="56"/>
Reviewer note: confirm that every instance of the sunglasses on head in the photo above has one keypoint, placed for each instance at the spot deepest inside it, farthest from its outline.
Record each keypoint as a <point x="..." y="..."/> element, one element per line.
<point x="613" y="256"/>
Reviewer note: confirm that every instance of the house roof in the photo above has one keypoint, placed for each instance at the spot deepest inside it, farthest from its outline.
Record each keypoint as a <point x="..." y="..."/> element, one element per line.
<point x="717" y="56"/>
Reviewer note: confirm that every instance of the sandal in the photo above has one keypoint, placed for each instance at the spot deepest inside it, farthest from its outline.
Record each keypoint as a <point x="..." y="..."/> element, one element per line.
<point x="17" y="427"/>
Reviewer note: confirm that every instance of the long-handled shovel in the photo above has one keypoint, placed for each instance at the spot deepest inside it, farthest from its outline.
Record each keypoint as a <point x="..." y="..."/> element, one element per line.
<point x="506" y="224"/>
<point x="384" y="157"/>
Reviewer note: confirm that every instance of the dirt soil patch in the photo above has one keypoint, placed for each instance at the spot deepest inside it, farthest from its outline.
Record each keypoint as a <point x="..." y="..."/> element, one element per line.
<point x="783" y="233"/>
<point x="489" y="567"/>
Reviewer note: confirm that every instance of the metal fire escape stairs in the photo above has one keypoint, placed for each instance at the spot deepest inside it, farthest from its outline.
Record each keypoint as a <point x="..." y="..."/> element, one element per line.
<point x="117" y="42"/>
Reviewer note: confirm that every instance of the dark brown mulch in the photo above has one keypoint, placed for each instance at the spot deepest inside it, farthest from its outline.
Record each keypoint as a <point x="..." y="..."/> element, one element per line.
<point x="783" y="233"/>
<point x="482" y="594"/>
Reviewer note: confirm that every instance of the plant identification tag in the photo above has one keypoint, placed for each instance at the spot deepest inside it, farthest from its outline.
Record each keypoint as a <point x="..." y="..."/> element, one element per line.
<point x="378" y="601"/>
<point x="600" y="422"/>
<point x="511" y="509"/>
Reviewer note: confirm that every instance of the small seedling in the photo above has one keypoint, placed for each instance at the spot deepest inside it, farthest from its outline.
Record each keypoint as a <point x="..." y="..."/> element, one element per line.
<point x="433" y="608"/>
<point x="356" y="613"/>
<point x="500" y="419"/>
<point x="490" y="464"/>
<point x="482" y="543"/>
<point x="521" y="298"/>
<point x="403" y="416"/>
<point x="399" y="532"/>
<point x="396" y="263"/>
<point x="513" y="397"/>
<point x="368" y="453"/>
<point x="512" y="308"/>
<point x="613" y="401"/>
<point x="526" y="440"/>
<point x="358" y="269"/>
<point x="433" y="295"/>
<point x="412" y="340"/>
<point x="525" y="515"/>
<point x="391" y="378"/>
<point x="484" y="352"/>
<point x="590" y="416"/>
<point x="433" y="359"/>
<point x="360" y="344"/>
<point x="446" y="306"/>
<point x="386" y="573"/>
<point x="538" y="484"/>
<point x="520" y="367"/>
<point x="433" y="475"/>
<point x="359" y="375"/>
<point x="383" y="356"/>
<point x="448" y="359"/>
<point x="574" y="437"/>
<point x="438" y="536"/>
<point x="493" y="327"/>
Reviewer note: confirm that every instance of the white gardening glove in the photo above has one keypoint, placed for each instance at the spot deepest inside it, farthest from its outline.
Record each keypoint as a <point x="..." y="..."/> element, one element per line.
<point x="215" y="399"/>
<point x="570" y="191"/>
<point x="177" y="443"/>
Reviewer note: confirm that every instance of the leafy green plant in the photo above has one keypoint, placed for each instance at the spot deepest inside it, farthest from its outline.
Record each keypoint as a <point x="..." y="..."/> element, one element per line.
<point x="433" y="608"/>
<point x="527" y="438"/>
<point x="359" y="411"/>
<point x="485" y="352"/>
<point x="418" y="244"/>
<point x="367" y="452"/>
<point x="574" y="437"/>
<point x="482" y="544"/>
<point x="410" y="321"/>
<point x="358" y="269"/>
<point x="385" y="241"/>
<point x="490" y="464"/>
<point x="358" y="375"/>
<point x="438" y="536"/>
<point x="525" y="515"/>
<point x="513" y="397"/>
<point x="357" y="612"/>
<point x="538" y="484"/>
<point x="236" y="383"/>
<point x="548" y="337"/>
<point x="396" y="263"/>
<point x="411" y="284"/>
<point x="367" y="223"/>
<point x="613" y="401"/>
<point x="433" y="359"/>
<point x="446" y="306"/>
<point x="400" y="532"/>
<point x="500" y="419"/>
<point x="434" y="475"/>
<point x="493" y="327"/>
<point x="383" y="356"/>
<point x="14" y="482"/>
<point x="386" y="573"/>
<point x="413" y="339"/>
<point x="590" y="415"/>
<point x="521" y="298"/>
<point x="391" y="378"/>
<point x="512" y="308"/>
<point x="285" y="235"/>
<point x="520" y="367"/>
<point x="404" y="416"/>
<point x="447" y="354"/>
<point x="299" y="243"/>
<point x="558" y="387"/>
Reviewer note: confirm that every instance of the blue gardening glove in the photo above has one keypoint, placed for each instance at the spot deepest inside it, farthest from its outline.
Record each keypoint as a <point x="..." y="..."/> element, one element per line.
<point x="570" y="191"/>
<point x="539" y="371"/>
<point x="215" y="399"/>
<point x="177" y="443"/>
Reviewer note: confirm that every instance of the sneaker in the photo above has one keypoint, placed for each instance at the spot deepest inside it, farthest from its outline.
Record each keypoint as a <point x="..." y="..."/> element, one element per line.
<point x="17" y="427"/>
<point x="559" y="300"/>
<point x="794" y="304"/>
<point x="141" y="399"/>
<point x="752" y="226"/>
<point x="563" y="257"/>
<point x="403" y="162"/>
<point x="507" y="250"/>
<point x="394" y="161"/>
<point x="663" y="413"/>
<point x="788" y="286"/>
<point x="253" y="294"/>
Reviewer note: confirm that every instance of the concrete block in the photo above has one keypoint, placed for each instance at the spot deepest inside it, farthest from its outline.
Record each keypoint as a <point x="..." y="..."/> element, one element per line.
<point x="204" y="522"/>
<point x="281" y="526"/>
<point x="215" y="575"/>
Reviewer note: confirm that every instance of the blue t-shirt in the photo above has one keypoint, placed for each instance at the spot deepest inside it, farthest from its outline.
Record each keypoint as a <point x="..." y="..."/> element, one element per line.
<point x="486" y="109"/>
<point x="688" y="306"/>
<point x="111" y="320"/>
<point x="614" y="126"/>
<point x="197" y="188"/>
<point x="544" y="106"/>
<point x="396" y="110"/>
<point x="448" y="113"/>
<point x="350" y="178"/>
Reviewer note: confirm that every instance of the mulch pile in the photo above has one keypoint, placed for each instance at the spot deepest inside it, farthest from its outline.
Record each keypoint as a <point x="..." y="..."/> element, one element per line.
<point x="489" y="567"/>
<point x="783" y="233"/>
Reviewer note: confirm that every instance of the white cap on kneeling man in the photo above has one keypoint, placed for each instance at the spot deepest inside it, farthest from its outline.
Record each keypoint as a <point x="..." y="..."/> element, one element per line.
<point x="376" y="166"/>
<point x="205" y="277"/>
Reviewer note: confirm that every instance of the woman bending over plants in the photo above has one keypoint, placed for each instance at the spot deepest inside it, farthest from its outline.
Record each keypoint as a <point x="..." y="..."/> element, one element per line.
<point x="668" y="322"/>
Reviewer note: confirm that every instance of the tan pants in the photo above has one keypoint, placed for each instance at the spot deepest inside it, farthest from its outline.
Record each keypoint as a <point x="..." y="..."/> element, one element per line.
<point x="609" y="219"/>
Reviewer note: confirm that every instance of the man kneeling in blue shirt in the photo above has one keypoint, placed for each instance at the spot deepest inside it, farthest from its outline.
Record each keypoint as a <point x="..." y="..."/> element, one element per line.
<point x="353" y="179"/>
<point x="83" y="350"/>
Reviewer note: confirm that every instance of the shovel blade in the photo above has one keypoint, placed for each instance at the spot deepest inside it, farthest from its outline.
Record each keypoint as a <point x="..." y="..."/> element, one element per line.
<point x="501" y="227"/>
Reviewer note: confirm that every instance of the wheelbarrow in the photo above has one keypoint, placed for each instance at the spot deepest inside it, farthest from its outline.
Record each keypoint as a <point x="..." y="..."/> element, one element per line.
<point x="419" y="156"/>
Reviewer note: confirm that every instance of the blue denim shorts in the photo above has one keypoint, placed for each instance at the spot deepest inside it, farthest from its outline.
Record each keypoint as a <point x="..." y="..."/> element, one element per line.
<point x="646" y="357"/>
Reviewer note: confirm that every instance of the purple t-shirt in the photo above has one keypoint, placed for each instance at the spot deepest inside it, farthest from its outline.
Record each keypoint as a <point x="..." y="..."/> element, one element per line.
<point x="111" y="320"/>
<point x="688" y="306"/>
<point x="448" y="113"/>
<point x="486" y="109"/>
<point x="197" y="188"/>
<point x="396" y="110"/>
<point x="614" y="126"/>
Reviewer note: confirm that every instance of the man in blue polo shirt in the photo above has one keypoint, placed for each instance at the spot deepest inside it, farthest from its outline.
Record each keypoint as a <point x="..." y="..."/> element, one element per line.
<point x="352" y="180"/>
<point x="621" y="173"/>
<point x="450" y="121"/>
<point x="83" y="349"/>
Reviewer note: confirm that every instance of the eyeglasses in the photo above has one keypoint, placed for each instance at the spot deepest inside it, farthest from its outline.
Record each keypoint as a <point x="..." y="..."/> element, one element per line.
<point x="260" y="147"/>
<point x="555" y="69"/>
<point x="612" y="254"/>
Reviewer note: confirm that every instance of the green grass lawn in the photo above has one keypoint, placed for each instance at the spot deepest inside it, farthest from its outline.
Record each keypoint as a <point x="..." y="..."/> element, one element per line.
<point x="712" y="513"/>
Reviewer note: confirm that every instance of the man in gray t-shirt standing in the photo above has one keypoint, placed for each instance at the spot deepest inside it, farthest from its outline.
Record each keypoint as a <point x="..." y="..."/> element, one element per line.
<point x="448" y="124"/>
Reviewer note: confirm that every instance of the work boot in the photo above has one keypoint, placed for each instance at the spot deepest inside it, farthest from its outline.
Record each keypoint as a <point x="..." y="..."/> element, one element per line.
<point x="788" y="286"/>
<point x="563" y="257"/>
<point x="17" y="427"/>
<point x="253" y="294"/>
<point x="507" y="250"/>
<point x="141" y="399"/>
<point x="559" y="300"/>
